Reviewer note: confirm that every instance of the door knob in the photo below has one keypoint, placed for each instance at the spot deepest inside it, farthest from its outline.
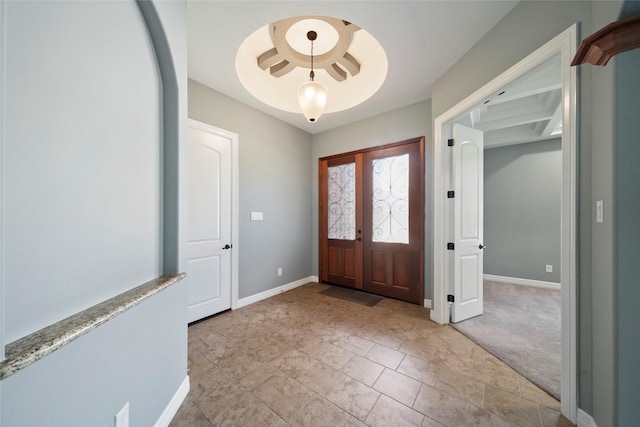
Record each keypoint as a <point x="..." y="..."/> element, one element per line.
<point x="227" y="246"/>
<point x="481" y="246"/>
<point x="359" y="239"/>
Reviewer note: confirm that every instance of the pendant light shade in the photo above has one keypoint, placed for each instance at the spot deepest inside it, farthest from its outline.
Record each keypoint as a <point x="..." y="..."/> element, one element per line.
<point x="313" y="98"/>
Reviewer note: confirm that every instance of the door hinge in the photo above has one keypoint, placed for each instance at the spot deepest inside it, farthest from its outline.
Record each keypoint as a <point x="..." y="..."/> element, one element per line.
<point x="450" y="298"/>
<point x="451" y="142"/>
<point x="450" y="194"/>
<point x="451" y="246"/>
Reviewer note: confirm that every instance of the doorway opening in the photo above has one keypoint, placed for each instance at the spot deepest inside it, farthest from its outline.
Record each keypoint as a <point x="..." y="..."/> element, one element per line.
<point x="562" y="46"/>
<point x="371" y="220"/>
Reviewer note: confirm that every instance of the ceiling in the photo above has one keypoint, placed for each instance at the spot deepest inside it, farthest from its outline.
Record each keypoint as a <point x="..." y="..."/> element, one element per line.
<point x="528" y="109"/>
<point x="422" y="40"/>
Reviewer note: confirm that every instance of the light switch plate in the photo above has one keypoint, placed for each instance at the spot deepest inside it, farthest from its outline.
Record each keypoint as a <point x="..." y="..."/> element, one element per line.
<point x="600" y="211"/>
<point x="256" y="216"/>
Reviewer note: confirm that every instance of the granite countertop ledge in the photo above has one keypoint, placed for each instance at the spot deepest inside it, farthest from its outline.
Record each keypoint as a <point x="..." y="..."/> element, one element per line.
<point x="33" y="347"/>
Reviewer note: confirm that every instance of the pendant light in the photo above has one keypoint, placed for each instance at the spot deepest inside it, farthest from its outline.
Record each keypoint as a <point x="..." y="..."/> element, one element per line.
<point x="312" y="95"/>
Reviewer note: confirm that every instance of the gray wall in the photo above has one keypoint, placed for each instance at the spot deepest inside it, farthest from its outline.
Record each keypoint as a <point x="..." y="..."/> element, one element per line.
<point x="138" y="357"/>
<point x="82" y="209"/>
<point x="627" y="214"/>
<point x="528" y="26"/>
<point x="397" y="125"/>
<point x="522" y="203"/>
<point x="274" y="179"/>
<point x="69" y="185"/>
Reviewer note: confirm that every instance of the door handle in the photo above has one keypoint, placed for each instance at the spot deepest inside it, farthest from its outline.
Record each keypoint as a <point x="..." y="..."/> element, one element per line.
<point x="481" y="246"/>
<point x="227" y="246"/>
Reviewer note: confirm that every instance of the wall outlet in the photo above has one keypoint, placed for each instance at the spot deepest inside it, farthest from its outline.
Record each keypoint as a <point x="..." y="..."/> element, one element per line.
<point x="122" y="418"/>
<point x="279" y="271"/>
<point x="549" y="268"/>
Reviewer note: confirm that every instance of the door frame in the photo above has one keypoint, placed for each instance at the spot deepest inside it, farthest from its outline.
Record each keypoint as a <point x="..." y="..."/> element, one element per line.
<point x="233" y="137"/>
<point x="564" y="44"/>
<point x="323" y="224"/>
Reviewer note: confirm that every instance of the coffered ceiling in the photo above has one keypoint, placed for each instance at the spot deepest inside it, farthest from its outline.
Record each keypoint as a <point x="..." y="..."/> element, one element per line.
<point x="528" y="109"/>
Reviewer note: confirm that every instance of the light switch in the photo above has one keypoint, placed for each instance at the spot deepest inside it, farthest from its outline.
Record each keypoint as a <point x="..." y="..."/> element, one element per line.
<point x="600" y="211"/>
<point x="256" y="216"/>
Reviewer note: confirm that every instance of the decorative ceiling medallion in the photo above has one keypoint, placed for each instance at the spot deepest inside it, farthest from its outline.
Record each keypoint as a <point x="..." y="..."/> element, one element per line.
<point x="283" y="57"/>
<point x="273" y="61"/>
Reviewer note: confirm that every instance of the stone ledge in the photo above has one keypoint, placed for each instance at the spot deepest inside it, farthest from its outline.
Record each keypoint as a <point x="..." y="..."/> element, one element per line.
<point x="27" y="350"/>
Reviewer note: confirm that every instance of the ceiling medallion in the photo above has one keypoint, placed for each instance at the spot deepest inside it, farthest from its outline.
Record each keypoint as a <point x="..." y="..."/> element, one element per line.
<point x="273" y="61"/>
<point x="283" y="58"/>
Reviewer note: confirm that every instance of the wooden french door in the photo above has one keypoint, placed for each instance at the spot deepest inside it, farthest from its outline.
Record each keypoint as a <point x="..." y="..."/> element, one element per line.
<point x="372" y="220"/>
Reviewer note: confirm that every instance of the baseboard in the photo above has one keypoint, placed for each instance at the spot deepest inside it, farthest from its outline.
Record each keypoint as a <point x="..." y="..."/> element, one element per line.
<point x="523" y="282"/>
<point x="173" y="406"/>
<point x="427" y="303"/>
<point x="585" y="420"/>
<point x="243" y="302"/>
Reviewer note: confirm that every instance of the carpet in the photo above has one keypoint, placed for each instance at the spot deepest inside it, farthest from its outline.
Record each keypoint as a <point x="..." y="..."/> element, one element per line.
<point x="521" y="326"/>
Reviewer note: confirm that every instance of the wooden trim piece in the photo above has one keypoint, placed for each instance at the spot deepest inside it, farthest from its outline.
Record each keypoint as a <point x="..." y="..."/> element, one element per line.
<point x="615" y="38"/>
<point x="373" y="148"/>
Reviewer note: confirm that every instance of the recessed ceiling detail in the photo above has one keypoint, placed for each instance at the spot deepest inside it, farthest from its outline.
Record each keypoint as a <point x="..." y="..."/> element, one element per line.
<point x="335" y="60"/>
<point x="273" y="61"/>
<point x="528" y="109"/>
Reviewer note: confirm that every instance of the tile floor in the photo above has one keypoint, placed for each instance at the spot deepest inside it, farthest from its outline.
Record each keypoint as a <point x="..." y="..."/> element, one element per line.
<point x="306" y="359"/>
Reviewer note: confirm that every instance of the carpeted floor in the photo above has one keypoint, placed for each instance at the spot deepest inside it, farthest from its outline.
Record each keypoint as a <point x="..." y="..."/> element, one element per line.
<point x="521" y="326"/>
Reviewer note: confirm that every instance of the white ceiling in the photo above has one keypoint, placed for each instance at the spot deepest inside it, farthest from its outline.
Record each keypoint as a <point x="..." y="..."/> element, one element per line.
<point x="422" y="39"/>
<point x="528" y="109"/>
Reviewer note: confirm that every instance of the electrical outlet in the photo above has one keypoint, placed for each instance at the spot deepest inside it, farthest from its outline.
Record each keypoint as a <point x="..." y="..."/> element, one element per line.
<point x="279" y="271"/>
<point x="549" y="268"/>
<point x="122" y="417"/>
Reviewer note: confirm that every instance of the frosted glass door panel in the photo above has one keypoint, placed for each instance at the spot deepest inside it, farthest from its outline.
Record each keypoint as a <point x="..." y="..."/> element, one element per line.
<point x="391" y="199"/>
<point x="342" y="201"/>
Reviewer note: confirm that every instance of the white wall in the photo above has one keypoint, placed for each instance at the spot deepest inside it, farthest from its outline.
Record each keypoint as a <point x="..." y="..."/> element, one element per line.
<point x="83" y="213"/>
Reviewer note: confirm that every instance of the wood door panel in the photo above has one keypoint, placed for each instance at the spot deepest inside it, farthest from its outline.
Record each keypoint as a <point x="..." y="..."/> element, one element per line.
<point x="335" y="260"/>
<point x="349" y="263"/>
<point x="395" y="269"/>
<point x="401" y="270"/>
<point x="391" y="269"/>
<point x="379" y="267"/>
<point x="341" y="263"/>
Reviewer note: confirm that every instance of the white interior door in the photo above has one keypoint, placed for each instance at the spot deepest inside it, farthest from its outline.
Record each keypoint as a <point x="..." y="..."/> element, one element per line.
<point x="468" y="179"/>
<point x="209" y="247"/>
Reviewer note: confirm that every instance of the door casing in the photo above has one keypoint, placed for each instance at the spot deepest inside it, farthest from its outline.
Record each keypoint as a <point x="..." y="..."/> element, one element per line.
<point x="564" y="44"/>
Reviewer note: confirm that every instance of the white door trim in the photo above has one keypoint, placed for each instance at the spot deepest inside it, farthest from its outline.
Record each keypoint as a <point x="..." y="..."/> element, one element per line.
<point x="565" y="44"/>
<point x="233" y="137"/>
<point x="3" y="109"/>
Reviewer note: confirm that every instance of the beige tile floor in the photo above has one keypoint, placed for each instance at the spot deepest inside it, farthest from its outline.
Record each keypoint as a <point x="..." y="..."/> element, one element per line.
<point x="306" y="359"/>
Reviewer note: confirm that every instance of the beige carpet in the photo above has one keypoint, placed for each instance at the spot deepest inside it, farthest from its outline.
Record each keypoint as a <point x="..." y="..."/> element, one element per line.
<point x="521" y="326"/>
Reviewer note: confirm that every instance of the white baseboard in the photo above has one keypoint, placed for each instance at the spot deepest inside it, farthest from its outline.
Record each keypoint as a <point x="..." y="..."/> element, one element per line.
<point x="523" y="282"/>
<point x="242" y="302"/>
<point x="585" y="420"/>
<point x="173" y="406"/>
<point x="427" y="303"/>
